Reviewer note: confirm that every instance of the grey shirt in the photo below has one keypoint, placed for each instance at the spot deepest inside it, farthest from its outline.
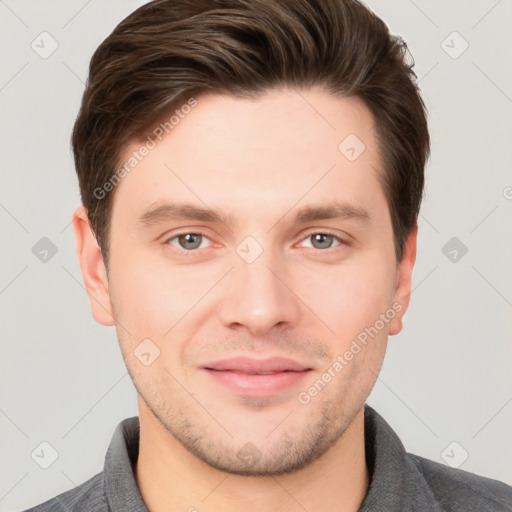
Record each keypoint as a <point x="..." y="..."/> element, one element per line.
<point x="399" y="481"/>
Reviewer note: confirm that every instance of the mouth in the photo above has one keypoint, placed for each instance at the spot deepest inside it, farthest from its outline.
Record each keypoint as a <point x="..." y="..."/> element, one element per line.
<point x="257" y="377"/>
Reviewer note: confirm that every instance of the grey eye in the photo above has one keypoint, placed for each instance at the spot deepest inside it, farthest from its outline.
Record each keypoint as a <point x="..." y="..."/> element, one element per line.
<point x="190" y="240"/>
<point x="322" y="240"/>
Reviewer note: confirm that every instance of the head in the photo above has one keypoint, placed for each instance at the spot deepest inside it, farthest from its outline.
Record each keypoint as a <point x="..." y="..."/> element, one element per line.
<point x="296" y="127"/>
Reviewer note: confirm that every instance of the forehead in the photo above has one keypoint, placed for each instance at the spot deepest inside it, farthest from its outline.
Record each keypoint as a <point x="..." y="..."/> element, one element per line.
<point x="257" y="156"/>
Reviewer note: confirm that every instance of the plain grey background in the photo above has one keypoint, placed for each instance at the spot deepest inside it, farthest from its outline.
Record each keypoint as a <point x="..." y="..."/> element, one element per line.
<point x="446" y="384"/>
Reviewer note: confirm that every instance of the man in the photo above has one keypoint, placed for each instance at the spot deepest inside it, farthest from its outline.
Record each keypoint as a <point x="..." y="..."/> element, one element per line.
<point x="251" y="175"/>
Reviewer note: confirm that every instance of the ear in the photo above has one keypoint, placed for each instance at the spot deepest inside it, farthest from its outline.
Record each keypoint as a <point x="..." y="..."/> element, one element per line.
<point x="93" y="268"/>
<point x="402" y="293"/>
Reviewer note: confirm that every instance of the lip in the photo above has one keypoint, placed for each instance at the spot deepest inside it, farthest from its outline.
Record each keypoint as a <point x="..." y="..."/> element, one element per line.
<point x="257" y="377"/>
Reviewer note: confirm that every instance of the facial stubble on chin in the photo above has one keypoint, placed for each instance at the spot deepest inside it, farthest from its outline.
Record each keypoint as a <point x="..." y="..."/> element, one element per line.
<point x="288" y="455"/>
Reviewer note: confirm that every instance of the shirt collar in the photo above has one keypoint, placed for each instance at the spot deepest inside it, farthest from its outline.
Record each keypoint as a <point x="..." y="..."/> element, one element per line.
<point x="119" y="470"/>
<point x="395" y="481"/>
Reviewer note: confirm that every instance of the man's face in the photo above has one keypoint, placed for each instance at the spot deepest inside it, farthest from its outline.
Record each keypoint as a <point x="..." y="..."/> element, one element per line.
<point x="247" y="313"/>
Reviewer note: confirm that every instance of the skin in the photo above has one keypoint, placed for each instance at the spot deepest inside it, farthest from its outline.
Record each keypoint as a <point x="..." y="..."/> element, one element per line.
<point x="258" y="161"/>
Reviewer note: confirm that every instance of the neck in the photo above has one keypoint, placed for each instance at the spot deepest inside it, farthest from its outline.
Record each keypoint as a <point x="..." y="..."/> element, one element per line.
<point x="171" y="479"/>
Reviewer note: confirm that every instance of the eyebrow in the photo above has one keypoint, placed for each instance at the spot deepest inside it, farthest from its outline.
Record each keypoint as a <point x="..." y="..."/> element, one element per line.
<point x="186" y="211"/>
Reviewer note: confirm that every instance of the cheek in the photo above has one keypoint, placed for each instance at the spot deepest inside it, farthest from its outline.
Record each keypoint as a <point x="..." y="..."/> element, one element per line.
<point x="350" y="297"/>
<point x="156" y="300"/>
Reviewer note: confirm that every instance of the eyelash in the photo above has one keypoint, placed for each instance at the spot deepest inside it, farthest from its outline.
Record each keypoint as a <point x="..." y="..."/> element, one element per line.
<point x="193" y="252"/>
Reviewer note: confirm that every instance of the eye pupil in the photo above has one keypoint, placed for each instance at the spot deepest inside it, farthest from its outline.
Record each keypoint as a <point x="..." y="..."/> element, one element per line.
<point x="324" y="239"/>
<point x="190" y="240"/>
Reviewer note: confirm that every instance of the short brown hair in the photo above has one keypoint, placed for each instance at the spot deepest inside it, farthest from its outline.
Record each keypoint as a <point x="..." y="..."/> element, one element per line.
<point x="168" y="51"/>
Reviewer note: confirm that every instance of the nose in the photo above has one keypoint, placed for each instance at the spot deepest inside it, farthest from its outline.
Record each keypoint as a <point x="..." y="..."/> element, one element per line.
<point x="260" y="296"/>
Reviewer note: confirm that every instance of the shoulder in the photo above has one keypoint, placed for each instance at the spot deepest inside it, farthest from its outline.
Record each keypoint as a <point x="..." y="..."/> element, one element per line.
<point x="86" y="497"/>
<point x="457" y="490"/>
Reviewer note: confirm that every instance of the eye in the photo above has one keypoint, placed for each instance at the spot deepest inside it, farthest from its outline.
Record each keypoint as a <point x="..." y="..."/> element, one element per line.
<point x="323" y="240"/>
<point x="188" y="241"/>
